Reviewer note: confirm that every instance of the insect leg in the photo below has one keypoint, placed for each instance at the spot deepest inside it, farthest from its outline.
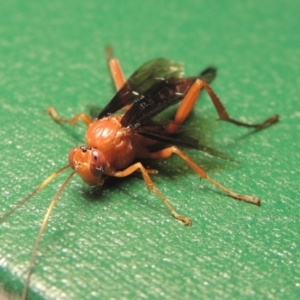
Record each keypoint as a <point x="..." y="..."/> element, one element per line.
<point x="115" y="68"/>
<point x="224" y="115"/>
<point x="167" y="152"/>
<point x="190" y="99"/>
<point x="150" y="185"/>
<point x="81" y="116"/>
<point x="186" y="106"/>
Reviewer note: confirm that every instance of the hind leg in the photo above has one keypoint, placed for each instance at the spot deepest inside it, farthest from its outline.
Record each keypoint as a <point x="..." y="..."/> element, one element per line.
<point x="167" y="152"/>
<point x="190" y="99"/>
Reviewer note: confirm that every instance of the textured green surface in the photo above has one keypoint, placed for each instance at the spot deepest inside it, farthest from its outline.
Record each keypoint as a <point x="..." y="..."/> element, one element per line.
<point x="121" y="242"/>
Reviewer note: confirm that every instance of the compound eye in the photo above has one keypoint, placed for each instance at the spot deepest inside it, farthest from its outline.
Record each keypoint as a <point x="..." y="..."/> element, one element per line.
<point x="97" y="163"/>
<point x="71" y="155"/>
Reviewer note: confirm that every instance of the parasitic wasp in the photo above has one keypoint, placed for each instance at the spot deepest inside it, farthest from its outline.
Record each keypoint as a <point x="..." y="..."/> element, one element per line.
<point x="125" y="131"/>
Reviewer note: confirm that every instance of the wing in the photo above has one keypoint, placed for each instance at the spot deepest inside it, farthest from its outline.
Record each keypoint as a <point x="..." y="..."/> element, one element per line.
<point x="163" y="93"/>
<point x="157" y="133"/>
<point x="140" y="81"/>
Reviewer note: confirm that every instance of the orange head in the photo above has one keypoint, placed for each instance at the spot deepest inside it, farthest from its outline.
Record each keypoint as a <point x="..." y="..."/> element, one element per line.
<point x="89" y="163"/>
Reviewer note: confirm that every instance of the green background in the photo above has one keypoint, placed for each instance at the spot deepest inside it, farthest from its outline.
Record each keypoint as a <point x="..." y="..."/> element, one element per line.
<point x="120" y="242"/>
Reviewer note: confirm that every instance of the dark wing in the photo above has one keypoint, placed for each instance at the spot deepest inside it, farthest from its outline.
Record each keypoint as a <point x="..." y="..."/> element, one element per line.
<point x="158" y="133"/>
<point x="208" y="74"/>
<point x="141" y="81"/>
<point x="163" y="93"/>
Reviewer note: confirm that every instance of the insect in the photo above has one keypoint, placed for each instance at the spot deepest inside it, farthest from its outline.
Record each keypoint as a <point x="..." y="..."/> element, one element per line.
<point x="124" y="132"/>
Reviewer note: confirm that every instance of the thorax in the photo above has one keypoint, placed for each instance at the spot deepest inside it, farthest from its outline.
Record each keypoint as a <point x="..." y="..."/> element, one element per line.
<point x="115" y="142"/>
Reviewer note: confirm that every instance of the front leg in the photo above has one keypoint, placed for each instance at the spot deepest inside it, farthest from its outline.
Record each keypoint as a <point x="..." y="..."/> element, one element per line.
<point x="81" y="116"/>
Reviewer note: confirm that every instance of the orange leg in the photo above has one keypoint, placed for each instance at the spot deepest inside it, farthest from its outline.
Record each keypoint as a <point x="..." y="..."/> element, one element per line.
<point x="85" y="118"/>
<point x="167" y="152"/>
<point x="190" y="98"/>
<point x="139" y="167"/>
<point x="115" y="68"/>
<point x="116" y="72"/>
